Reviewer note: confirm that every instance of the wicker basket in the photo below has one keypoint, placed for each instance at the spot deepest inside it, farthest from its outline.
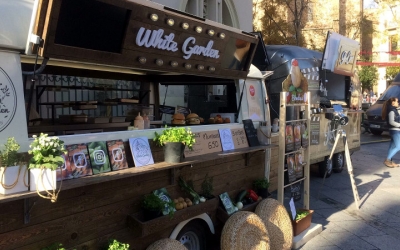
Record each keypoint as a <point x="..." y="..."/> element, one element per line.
<point x="277" y="222"/>
<point x="244" y="230"/>
<point x="166" y="244"/>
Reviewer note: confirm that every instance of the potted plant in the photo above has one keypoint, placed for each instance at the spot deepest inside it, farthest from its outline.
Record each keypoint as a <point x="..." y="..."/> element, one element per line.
<point x="174" y="140"/>
<point x="207" y="187"/>
<point x="116" y="245"/>
<point x="261" y="187"/>
<point x="46" y="159"/>
<point x="302" y="221"/>
<point x="152" y="206"/>
<point x="13" y="175"/>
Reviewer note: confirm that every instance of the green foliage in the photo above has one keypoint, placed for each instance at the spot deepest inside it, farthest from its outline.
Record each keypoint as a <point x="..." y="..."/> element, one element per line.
<point x="391" y="72"/>
<point x="153" y="202"/>
<point x="46" y="152"/>
<point x="116" y="245"/>
<point x="261" y="183"/>
<point x="300" y="214"/>
<point x="188" y="189"/>
<point x="9" y="156"/>
<point x="207" y="187"/>
<point x="368" y="76"/>
<point x="175" y="134"/>
<point x="55" y="246"/>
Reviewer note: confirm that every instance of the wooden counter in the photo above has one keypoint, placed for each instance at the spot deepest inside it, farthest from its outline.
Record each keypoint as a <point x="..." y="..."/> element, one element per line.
<point x="133" y="171"/>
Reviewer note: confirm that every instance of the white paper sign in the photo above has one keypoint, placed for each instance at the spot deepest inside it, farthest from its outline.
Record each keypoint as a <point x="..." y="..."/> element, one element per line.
<point x="226" y="139"/>
<point x="141" y="151"/>
<point x="292" y="208"/>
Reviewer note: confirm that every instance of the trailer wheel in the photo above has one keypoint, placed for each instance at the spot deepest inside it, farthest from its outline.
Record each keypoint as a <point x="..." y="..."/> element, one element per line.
<point x="338" y="162"/>
<point x="325" y="165"/>
<point x="193" y="236"/>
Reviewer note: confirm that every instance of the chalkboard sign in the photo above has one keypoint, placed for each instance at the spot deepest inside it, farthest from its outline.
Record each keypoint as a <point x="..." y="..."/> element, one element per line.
<point x="251" y="133"/>
<point x="167" y="109"/>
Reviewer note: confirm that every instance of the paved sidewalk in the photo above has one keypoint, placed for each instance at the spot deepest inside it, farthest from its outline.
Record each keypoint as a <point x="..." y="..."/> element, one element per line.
<point x="376" y="225"/>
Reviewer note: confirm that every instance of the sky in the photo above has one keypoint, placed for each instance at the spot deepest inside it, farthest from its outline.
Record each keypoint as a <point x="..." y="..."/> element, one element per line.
<point x="369" y="4"/>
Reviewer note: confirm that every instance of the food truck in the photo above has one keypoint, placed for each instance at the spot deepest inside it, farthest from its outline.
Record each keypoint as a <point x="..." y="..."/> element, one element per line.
<point x="89" y="72"/>
<point x="332" y="79"/>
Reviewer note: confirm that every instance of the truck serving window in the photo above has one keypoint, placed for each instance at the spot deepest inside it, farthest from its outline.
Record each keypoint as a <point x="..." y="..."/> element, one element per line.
<point x="85" y="24"/>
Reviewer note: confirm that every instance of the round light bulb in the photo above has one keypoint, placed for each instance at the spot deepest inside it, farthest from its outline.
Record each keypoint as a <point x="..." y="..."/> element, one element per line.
<point x="154" y="17"/>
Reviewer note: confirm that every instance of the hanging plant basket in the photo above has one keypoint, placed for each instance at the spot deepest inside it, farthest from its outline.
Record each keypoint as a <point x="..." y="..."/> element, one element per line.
<point x="42" y="179"/>
<point x="14" y="179"/>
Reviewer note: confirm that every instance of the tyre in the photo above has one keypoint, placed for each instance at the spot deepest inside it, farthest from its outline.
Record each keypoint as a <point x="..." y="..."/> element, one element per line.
<point x="338" y="162"/>
<point x="193" y="235"/>
<point x="376" y="132"/>
<point x="325" y="165"/>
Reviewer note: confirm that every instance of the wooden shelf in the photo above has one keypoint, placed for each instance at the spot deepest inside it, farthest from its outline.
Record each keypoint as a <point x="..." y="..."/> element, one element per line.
<point x="143" y="228"/>
<point x="134" y="171"/>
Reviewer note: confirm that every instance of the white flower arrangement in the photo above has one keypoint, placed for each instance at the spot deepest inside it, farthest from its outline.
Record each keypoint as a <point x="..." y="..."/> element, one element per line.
<point x="46" y="152"/>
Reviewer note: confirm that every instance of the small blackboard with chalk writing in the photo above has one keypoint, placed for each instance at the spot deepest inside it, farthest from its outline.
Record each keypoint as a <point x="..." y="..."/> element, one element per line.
<point x="251" y="133"/>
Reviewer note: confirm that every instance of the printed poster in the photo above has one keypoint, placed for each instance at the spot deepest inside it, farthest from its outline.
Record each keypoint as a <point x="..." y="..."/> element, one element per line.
<point x="99" y="157"/>
<point x="226" y="139"/>
<point x="253" y="101"/>
<point x="116" y="153"/>
<point x="76" y="162"/>
<point x="141" y="151"/>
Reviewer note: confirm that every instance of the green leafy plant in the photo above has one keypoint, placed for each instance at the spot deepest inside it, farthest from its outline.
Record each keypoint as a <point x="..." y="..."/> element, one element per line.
<point x="152" y="202"/>
<point x="261" y="183"/>
<point x="175" y="134"/>
<point x="188" y="189"/>
<point x="207" y="187"/>
<point x="46" y="152"/>
<point x="116" y="245"/>
<point x="9" y="156"/>
<point x="300" y="214"/>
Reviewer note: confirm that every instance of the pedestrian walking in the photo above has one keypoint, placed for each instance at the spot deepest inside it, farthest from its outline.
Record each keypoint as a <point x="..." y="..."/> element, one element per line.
<point x="391" y="114"/>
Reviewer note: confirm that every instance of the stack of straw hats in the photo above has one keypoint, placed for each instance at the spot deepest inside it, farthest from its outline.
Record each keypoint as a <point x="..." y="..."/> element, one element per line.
<point x="244" y="230"/>
<point x="166" y="244"/>
<point x="278" y="223"/>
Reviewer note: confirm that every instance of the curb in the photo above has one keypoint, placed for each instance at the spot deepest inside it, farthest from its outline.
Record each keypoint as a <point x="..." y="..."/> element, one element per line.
<point x="370" y="142"/>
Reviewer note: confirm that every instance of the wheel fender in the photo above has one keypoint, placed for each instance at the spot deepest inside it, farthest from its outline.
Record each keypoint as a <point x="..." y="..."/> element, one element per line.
<point x="203" y="216"/>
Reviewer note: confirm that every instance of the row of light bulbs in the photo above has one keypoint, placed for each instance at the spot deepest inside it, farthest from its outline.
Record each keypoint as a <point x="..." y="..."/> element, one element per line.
<point x="185" y="26"/>
<point x="174" y="64"/>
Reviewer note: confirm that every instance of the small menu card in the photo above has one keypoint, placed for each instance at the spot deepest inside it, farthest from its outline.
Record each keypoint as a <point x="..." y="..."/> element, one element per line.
<point x="99" y="157"/>
<point x="141" y="151"/>
<point x="226" y="201"/>
<point x="226" y="139"/>
<point x="77" y="162"/>
<point x="116" y="152"/>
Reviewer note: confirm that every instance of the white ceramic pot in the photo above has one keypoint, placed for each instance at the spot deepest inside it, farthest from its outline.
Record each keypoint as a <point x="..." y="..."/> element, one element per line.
<point x="42" y="179"/>
<point x="12" y="179"/>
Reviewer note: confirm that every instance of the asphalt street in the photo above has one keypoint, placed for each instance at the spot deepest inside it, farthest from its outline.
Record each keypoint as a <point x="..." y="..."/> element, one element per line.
<point x="376" y="224"/>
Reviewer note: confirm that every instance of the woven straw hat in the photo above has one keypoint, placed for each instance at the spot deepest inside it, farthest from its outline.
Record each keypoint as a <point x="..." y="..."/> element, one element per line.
<point x="166" y="244"/>
<point x="278" y="223"/>
<point x="244" y="231"/>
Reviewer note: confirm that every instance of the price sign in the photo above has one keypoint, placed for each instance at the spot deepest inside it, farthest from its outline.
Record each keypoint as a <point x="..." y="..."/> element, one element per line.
<point x="206" y="142"/>
<point x="239" y="138"/>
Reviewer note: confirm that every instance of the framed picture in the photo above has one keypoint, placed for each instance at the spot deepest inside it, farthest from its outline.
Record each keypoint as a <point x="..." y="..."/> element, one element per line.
<point x="116" y="153"/>
<point x="99" y="157"/>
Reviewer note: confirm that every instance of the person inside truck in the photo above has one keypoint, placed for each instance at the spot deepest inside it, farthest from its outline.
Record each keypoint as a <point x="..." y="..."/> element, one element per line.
<point x="391" y="114"/>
